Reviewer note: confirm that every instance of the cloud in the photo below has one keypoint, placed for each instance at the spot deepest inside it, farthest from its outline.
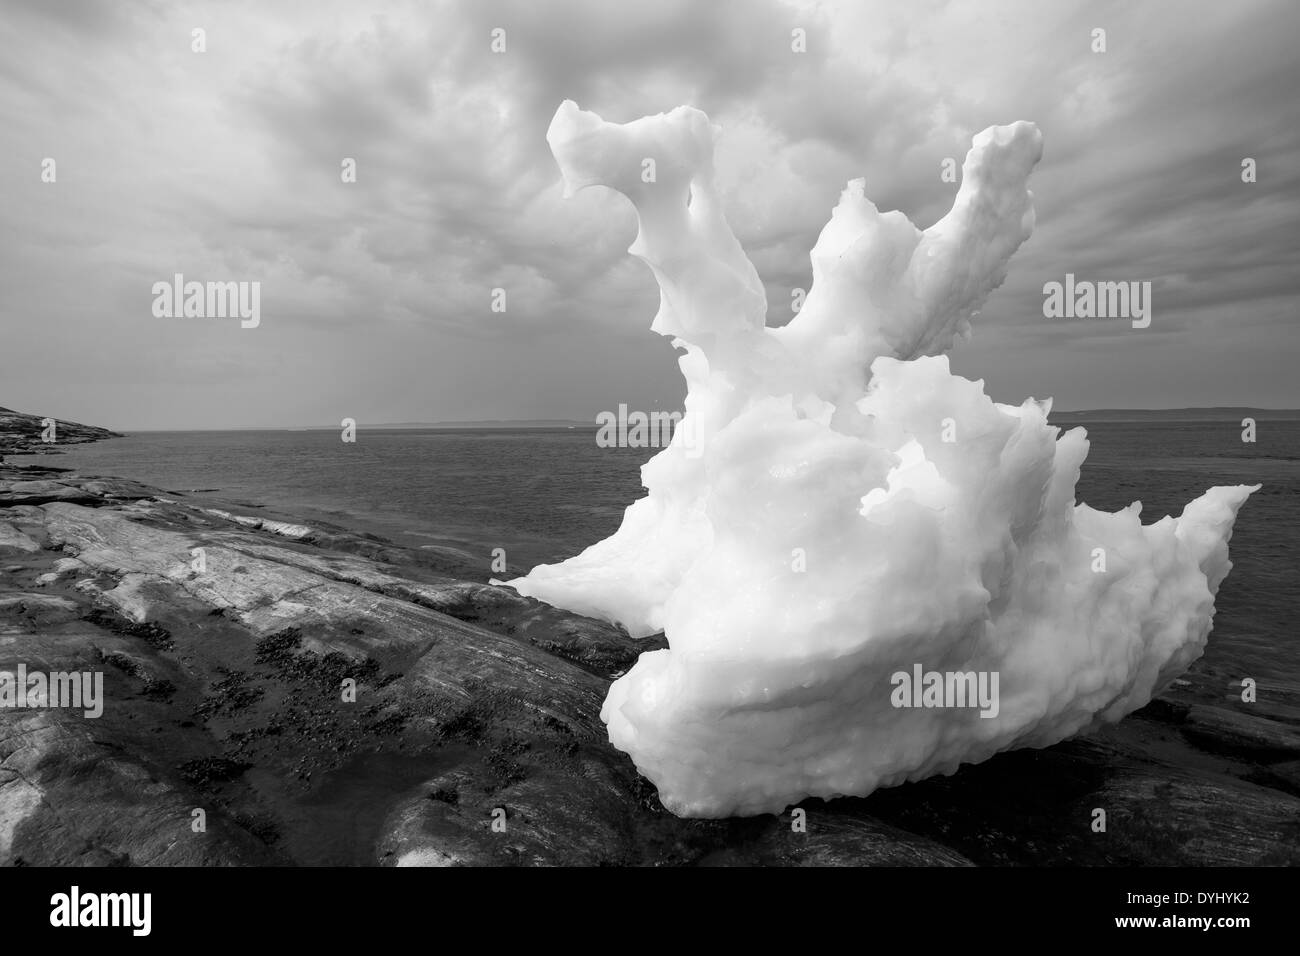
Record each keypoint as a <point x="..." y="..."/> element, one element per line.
<point x="226" y="164"/>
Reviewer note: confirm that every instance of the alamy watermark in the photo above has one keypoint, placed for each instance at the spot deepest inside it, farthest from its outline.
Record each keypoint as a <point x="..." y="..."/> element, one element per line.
<point x="179" y="299"/>
<point x="74" y="908"/>
<point x="1085" y="299"/>
<point x="79" y="690"/>
<point x="946" y="689"/>
<point x="626" y="429"/>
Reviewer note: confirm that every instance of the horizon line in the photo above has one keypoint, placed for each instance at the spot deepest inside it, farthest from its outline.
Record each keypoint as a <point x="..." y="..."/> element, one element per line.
<point x="591" y="423"/>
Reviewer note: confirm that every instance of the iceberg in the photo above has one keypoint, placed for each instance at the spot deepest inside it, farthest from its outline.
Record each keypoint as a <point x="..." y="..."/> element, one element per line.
<point x="841" y="517"/>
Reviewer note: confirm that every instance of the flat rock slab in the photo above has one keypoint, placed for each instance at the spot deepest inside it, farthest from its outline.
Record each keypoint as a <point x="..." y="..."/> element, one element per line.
<point x="11" y="539"/>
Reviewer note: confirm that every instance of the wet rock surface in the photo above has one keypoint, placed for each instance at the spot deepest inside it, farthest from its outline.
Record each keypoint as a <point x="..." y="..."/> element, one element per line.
<point x="315" y="696"/>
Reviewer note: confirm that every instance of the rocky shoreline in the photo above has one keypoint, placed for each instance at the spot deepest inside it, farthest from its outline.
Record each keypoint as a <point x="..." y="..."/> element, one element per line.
<point x="474" y="706"/>
<point x="20" y="434"/>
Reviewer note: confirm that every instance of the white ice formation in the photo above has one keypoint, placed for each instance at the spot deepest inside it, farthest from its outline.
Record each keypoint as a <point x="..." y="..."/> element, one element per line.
<point x="846" y="508"/>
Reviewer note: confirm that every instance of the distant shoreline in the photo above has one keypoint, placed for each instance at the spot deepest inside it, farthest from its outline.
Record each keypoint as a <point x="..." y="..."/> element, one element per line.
<point x="1224" y="414"/>
<point x="432" y="426"/>
<point x="1059" y="418"/>
<point x="1097" y="415"/>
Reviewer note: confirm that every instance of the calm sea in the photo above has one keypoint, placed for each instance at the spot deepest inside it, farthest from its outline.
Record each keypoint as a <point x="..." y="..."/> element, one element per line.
<point x="545" y="494"/>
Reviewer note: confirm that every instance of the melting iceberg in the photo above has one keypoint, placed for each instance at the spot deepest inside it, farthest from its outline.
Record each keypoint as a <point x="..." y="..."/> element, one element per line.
<point x="838" y="511"/>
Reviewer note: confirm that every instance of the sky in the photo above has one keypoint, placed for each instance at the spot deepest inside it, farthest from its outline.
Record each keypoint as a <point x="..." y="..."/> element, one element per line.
<point x="376" y="295"/>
